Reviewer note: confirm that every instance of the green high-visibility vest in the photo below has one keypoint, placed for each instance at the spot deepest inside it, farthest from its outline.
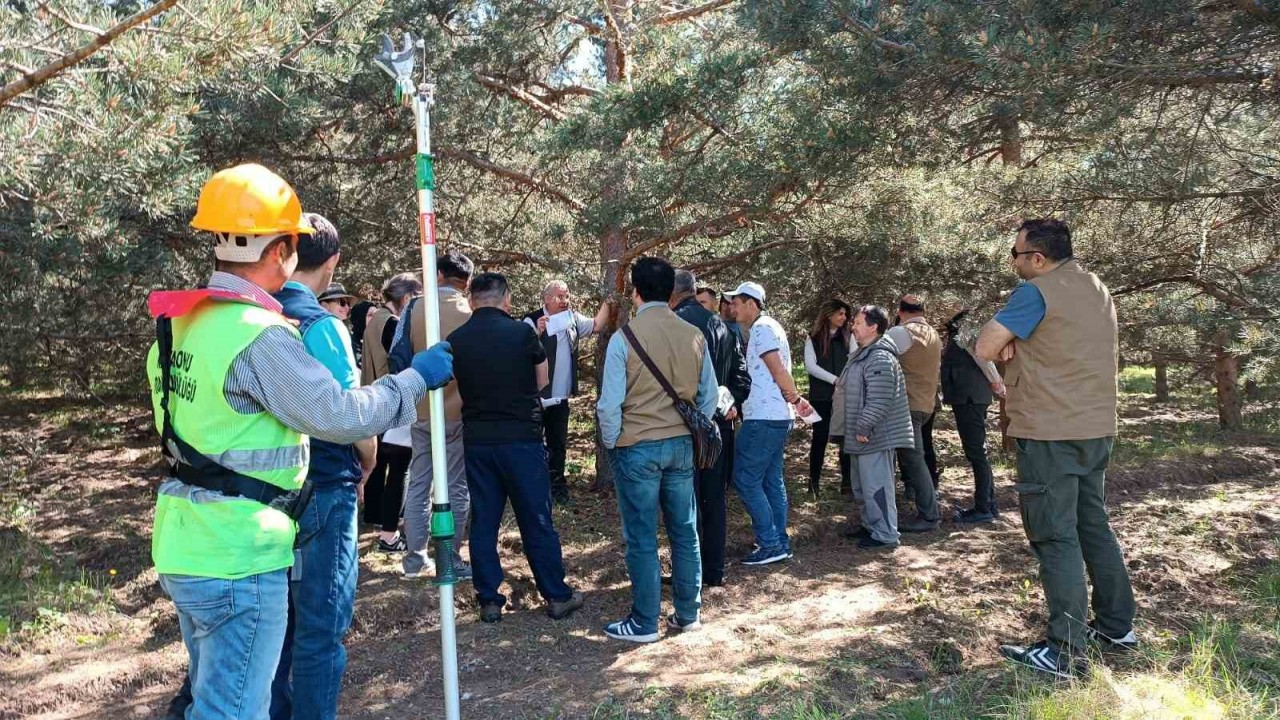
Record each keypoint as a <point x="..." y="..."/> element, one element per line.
<point x="203" y="533"/>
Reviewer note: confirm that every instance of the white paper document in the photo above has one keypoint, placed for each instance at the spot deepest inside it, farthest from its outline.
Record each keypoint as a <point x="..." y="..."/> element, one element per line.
<point x="548" y="402"/>
<point x="559" y="322"/>
<point x="724" y="401"/>
<point x="812" y="417"/>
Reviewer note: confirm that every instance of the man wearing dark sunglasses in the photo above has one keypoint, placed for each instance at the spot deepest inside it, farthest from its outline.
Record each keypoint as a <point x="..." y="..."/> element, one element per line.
<point x="336" y="300"/>
<point x="1058" y="335"/>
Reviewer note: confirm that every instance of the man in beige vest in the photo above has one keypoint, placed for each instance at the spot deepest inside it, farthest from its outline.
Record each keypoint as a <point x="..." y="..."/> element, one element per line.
<point x="651" y="450"/>
<point x="1058" y="335"/>
<point x="454" y="275"/>
<point x="920" y="354"/>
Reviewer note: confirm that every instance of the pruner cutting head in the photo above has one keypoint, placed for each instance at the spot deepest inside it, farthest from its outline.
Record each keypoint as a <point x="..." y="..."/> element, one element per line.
<point x="398" y="64"/>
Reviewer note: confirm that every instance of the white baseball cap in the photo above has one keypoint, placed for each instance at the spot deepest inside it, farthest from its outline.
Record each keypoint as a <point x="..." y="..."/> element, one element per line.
<point x="750" y="289"/>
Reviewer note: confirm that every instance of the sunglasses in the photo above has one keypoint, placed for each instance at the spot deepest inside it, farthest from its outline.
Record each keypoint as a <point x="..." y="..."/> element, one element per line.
<point x="1013" y="252"/>
<point x="344" y="302"/>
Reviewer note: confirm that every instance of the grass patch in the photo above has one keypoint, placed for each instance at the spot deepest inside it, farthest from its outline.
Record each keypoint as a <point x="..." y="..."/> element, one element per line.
<point x="1135" y="380"/>
<point x="38" y="593"/>
<point x="1157" y="441"/>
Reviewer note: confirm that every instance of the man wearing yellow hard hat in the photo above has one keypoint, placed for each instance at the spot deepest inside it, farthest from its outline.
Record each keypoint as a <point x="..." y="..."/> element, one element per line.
<point x="236" y="398"/>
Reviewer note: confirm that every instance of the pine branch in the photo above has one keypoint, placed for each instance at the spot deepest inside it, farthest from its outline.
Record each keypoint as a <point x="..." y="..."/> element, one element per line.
<point x="322" y="29"/>
<point x="522" y="179"/>
<point x="515" y="176"/>
<point x="1259" y="11"/>
<point x="1246" y="193"/>
<point x="862" y="29"/>
<point x="516" y="93"/>
<point x="676" y="16"/>
<point x="707" y="268"/>
<point x="725" y="223"/>
<point x="55" y="68"/>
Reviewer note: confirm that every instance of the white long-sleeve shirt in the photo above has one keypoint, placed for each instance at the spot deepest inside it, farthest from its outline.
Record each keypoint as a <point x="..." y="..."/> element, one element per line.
<point x="811" y="364"/>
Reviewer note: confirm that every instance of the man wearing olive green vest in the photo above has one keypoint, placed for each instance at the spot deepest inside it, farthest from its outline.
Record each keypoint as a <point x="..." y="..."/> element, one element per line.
<point x="920" y="354"/>
<point x="1058" y="335"/>
<point x="236" y="396"/>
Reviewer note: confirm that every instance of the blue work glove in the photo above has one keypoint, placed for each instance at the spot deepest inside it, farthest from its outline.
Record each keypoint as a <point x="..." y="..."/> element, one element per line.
<point x="435" y="365"/>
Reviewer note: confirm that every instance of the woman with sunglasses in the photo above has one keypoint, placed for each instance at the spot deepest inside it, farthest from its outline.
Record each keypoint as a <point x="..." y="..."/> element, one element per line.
<point x="337" y="301"/>
<point x="825" y="352"/>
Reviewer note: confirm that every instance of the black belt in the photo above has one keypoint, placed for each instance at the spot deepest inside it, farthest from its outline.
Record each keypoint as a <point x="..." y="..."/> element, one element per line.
<point x="194" y="468"/>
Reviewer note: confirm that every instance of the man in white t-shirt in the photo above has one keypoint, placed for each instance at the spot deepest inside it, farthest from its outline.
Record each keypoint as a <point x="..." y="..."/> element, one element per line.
<point x="767" y="414"/>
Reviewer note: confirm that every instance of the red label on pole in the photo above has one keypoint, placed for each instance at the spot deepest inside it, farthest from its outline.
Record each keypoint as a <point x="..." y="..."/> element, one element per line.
<point x="427" y="228"/>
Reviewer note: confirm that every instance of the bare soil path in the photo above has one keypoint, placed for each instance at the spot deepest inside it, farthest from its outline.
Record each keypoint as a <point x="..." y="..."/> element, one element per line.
<point x="861" y="629"/>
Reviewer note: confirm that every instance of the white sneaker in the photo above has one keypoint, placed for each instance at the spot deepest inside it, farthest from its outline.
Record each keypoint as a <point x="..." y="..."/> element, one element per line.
<point x="1128" y="642"/>
<point x="674" y="624"/>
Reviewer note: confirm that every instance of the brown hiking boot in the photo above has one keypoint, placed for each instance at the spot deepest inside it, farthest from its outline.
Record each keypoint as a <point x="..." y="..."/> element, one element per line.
<point x="561" y="609"/>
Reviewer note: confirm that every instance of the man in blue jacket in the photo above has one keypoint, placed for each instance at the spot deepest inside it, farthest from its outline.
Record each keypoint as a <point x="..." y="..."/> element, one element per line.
<point x="322" y="583"/>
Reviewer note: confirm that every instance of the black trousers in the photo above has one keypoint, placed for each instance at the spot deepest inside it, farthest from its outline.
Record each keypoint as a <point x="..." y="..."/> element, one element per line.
<point x="818" y="447"/>
<point x="709" y="487"/>
<point x="384" y="491"/>
<point x="930" y="455"/>
<point x="971" y="422"/>
<point x="555" y="431"/>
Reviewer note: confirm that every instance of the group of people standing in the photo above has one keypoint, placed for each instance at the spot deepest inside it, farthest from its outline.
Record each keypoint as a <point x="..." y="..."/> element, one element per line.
<point x="274" y="434"/>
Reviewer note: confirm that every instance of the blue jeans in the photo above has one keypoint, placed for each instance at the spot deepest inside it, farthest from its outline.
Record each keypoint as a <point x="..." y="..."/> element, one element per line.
<point x="757" y="476"/>
<point x="518" y="471"/>
<point x="233" y="630"/>
<point x="322" y="593"/>
<point x="653" y="475"/>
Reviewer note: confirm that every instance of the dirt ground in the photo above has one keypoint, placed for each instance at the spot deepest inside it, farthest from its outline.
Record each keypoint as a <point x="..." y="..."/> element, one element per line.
<point x="874" y="626"/>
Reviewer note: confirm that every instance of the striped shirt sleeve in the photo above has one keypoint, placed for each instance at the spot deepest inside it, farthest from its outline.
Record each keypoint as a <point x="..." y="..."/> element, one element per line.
<point x="275" y="374"/>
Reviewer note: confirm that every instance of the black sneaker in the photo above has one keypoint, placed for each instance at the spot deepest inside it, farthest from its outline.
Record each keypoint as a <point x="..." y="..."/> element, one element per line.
<point x="560" y="496"/>
<point x="870" y="543"/>
<point x="974" y="515"/>
<point x="561" y="609"/>
<point x="1128" y="642"/>
<point x="395" y="546"/>
<point x="177" y="709"/>
<point x="1047" y="659"/>
<point x="491" y="612"/>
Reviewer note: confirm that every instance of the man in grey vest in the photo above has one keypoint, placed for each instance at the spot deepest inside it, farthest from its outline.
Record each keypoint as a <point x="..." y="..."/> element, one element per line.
<point x="1058" y="335"/>
<point x="561" y="346"/>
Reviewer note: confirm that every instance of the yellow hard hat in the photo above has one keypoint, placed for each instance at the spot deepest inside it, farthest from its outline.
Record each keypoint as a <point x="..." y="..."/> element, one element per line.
<point x="249" y="200"/>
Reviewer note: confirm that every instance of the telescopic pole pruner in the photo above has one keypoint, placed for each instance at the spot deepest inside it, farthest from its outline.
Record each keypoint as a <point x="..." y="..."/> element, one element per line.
<point x="420" y="96"/>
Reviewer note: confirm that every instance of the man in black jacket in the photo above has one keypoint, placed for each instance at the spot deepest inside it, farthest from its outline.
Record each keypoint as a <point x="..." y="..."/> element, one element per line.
<point x="731" y="373"/>
<point x="968" y="386"/>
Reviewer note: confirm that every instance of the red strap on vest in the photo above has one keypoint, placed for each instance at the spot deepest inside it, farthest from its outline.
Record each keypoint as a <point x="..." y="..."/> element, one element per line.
<point x="176" y="303"/>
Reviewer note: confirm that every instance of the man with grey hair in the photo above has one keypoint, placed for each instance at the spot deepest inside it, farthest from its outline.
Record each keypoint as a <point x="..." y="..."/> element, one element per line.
<point x="561" y="346"/>
<point x="731" y="375"/>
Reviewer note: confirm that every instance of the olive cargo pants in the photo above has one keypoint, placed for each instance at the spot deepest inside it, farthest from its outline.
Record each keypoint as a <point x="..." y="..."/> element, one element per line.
<point x="1062" y="496"/>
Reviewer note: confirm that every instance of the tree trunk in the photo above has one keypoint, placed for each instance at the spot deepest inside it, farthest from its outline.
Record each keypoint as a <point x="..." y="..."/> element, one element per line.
<point x="612" y="248"/>
<point x="1226" y="371"/>
<point x="613" y="244"/>
<point x="1010" y="139"/>
<point x="1162" y="379"/>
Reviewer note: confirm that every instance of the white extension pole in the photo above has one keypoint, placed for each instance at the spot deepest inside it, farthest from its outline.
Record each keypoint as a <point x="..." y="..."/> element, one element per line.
<point x="421" y="98"/>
